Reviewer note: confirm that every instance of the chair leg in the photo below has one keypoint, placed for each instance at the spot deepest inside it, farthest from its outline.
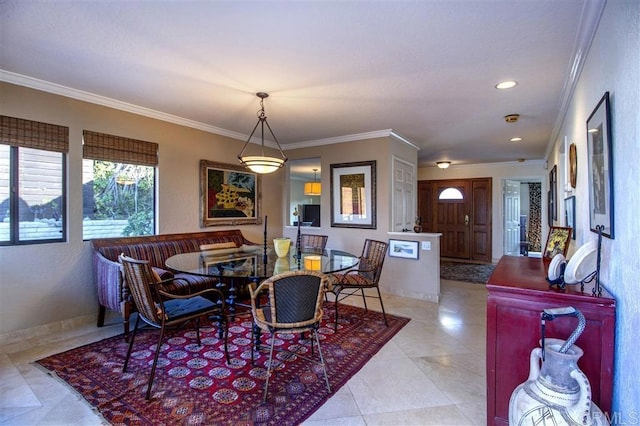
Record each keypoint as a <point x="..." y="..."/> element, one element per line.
<point x="155" y="361"/>
<point x="225" y="326"/>
<point x="335" y="323"/>
<point x="131" y="339"/>
<point x="266" y="384"/>
<point x="384" y="314"/>
<point x="324" y="366"/>
<point x="198" y="331"/>
<point x="364" y="299"/>
<point x="101" y="313"/>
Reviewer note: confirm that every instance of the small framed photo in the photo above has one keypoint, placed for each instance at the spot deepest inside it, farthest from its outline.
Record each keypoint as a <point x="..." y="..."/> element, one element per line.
<point x="600" y="168"/>
<point x="405" y="249"/>
<point x="570" y="214"/>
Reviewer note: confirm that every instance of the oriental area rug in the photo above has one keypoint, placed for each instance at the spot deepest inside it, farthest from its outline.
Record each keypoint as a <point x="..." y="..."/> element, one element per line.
<point x="194" y="385"/>
<point x="469" y="272"/>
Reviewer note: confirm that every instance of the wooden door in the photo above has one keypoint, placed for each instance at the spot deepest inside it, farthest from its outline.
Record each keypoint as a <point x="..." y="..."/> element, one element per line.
<point x="426" y="205"/>
<point x="465" y="223"/>
<point x="481" y="219"/>
<point x="453" y="220"/>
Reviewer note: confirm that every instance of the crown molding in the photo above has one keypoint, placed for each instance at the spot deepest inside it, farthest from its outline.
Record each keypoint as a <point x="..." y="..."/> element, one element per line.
<point x="57" y="89"/>
<point x="589" y="20"/>
<point x="354" y="137"/>
<point x="540" y="162"/>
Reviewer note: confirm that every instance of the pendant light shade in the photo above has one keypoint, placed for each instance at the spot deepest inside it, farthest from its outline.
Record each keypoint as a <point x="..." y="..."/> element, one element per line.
<point x="260" y="163"/>
<point x="313" y="188"/>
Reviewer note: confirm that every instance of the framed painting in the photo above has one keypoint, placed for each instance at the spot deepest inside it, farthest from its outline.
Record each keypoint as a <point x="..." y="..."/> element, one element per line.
<point x="402" y="248"/>
<point x="229" y="194"/>
<point x="353" y="195"/>
<point x="600" y="168"/>
<point x="553" y="187"/>
<point x="570" y="214"/>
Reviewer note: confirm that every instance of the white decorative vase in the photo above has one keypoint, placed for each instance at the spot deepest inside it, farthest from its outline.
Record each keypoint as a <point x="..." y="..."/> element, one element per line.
<point x="559" y="393"/>
<point x="281" y="246"/>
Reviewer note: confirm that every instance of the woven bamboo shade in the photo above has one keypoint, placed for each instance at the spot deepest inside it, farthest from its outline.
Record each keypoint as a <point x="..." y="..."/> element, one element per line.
<point x="101" y="146"/>
<point x="33" y="134"/>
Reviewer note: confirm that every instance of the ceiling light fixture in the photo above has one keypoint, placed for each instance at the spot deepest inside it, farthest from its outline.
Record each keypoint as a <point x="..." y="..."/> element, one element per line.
<point x="511" y="118"/>
<point x="260" y="163"/>
<point x="313" y="188"/>
<point x="516" y="139"/>
<point x="443" y="164"/>
<point x="506" y="84"/>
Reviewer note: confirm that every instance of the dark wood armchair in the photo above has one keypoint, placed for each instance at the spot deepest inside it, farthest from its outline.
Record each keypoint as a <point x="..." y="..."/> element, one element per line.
<point x="162" y="310"/>
<point x="366" y="275"/>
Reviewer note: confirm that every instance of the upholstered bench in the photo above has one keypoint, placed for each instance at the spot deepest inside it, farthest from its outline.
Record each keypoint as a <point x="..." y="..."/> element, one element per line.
<point x="113" y="293"/>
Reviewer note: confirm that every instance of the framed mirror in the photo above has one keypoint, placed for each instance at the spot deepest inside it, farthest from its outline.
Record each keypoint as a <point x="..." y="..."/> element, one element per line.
<point x="305" y="191"/>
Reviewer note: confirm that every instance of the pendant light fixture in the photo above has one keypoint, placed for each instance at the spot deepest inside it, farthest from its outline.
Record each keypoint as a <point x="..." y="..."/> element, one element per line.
<point x="313" y="188"/>
<point x="260" y="163"/>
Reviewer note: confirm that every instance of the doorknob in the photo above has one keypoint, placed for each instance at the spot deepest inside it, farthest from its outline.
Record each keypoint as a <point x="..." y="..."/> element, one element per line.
<point x="466" y="219"/>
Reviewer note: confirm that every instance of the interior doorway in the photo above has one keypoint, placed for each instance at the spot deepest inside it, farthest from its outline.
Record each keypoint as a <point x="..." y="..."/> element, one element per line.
<point x="522" y="222"/>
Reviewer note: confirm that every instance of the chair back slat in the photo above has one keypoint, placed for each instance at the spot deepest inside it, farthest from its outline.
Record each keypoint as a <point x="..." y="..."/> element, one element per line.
<point x="139" y="277"/>
<point x="372" y="259"/>
<point x="313" y="243"/>
<point x="295" y="298"/>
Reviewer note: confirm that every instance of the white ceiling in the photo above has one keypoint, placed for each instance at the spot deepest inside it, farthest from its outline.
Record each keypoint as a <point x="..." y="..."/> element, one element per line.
<point x="333" y="69"/>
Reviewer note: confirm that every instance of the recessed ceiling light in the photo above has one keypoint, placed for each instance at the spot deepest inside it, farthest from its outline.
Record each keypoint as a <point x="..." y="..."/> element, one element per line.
<point x="515" y="139"/>
<point x="506" y="84"/>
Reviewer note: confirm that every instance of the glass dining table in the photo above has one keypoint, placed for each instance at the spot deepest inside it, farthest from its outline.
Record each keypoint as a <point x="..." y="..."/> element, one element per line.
<point x="246" y="264"/>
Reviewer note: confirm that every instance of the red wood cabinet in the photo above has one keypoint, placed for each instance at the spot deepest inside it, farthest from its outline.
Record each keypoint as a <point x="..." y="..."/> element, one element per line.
<point x="518" y="292"/>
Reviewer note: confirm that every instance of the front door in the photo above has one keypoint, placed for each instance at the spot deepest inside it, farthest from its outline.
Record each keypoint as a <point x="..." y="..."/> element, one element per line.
<point x="459" y="209"/>
<point x="453" y="217"/>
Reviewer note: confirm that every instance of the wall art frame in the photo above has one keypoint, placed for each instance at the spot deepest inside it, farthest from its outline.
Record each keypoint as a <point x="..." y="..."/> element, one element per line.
<point x="353" y="195"/>
<point x="403" y="248"/>
<point x="553" y="187"/>
<point x="600" y="168"/>
<point x="570" y="214"/>
<point x="229" y="194"/>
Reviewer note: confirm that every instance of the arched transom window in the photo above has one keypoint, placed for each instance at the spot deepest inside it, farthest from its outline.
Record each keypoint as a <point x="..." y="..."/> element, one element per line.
<point x="451" y="194"/>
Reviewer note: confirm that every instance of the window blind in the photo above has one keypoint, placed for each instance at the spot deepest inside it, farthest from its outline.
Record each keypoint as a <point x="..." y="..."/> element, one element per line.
<point x="105" y="147"/>
<point x="33" y="134"/>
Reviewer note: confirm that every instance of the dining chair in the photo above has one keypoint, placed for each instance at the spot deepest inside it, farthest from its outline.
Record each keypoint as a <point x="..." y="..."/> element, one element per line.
<point x="364" y="276"/>
<point x="163" y="310"/>
<point x="557" y="241"/>
<point x="310" y="243"/>
<point x="294" y="306"/>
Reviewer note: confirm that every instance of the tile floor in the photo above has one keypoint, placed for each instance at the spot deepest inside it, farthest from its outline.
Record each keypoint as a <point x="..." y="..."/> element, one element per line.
<point x="431" y="373"/>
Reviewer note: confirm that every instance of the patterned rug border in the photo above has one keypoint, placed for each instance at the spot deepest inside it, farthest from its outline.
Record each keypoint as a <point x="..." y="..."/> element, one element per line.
<point x="126" y="405"/>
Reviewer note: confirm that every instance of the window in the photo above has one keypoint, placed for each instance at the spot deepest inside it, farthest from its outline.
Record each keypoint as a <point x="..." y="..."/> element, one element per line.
<point x="118" y="186"/>
<point x="32" y="181"/>
<point x="451" y="194"/>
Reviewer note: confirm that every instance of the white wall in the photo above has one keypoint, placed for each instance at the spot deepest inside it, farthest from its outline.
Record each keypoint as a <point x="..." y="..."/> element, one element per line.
<point x="499" y="172"/>
<point x="613" y="65"/>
